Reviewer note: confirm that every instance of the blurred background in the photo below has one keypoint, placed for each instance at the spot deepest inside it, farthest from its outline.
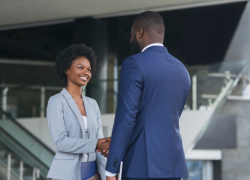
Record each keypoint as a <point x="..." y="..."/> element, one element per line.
<point x="210" y="37"/>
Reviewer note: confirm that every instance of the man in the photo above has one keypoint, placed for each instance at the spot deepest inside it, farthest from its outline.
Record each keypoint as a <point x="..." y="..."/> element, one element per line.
<point x="154" y="87"/>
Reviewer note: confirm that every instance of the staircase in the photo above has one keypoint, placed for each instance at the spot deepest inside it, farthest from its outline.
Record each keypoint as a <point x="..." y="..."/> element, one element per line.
<point x="22" y="155"/>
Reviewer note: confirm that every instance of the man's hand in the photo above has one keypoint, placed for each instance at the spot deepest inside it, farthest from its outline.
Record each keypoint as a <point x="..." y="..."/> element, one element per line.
<point x="103" y="146"/>
<point x="107" y="139"/>
<point x="111" y="178"/>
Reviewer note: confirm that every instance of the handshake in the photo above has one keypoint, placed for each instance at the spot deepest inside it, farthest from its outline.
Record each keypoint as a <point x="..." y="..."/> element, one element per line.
<point x="103" y="146"/>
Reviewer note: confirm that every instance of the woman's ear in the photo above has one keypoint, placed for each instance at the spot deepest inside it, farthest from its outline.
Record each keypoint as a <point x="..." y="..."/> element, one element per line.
<point x="67" y="72"/>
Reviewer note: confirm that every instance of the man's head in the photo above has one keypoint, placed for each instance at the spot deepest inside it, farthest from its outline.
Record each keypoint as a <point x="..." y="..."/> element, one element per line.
<point x="148" y="28"/>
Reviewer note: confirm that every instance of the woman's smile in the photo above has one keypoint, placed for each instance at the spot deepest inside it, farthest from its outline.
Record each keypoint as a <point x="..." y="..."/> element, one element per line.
<point x="84" y="78"/>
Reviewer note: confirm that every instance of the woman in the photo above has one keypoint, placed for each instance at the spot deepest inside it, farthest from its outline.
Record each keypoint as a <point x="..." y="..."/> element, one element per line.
<point x="74" y="120"/>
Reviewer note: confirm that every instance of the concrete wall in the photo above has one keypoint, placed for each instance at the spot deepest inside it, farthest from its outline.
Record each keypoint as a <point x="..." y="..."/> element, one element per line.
<point x="236" y="162"/>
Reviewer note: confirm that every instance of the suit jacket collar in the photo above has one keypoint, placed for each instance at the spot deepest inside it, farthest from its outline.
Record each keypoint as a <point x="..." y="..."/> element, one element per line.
<point x="77" y="112"/>
<point x="150" y="45"/>
<point x="156" y="48"/>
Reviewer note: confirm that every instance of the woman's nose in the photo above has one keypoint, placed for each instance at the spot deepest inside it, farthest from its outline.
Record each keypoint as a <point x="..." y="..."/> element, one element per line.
<point x="85" y="71"/>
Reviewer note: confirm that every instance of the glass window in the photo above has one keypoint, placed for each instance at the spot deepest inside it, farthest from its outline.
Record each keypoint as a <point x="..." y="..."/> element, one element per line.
<point x="194" y="170"/>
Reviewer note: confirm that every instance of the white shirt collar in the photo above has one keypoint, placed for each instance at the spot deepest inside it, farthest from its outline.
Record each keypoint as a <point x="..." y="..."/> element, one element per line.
<point x="154" y="44"/>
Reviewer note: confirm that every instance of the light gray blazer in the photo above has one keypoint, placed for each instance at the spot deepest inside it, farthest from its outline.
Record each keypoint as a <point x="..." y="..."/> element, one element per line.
<point x="63" y="118"/>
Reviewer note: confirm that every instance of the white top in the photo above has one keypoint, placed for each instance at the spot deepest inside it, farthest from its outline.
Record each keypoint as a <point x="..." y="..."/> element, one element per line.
<point x="109" y="174"/>
<point x="85" y="122"/>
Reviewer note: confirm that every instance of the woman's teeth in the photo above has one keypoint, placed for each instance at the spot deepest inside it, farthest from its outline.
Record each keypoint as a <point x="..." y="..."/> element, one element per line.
<point x="84" y="78"/>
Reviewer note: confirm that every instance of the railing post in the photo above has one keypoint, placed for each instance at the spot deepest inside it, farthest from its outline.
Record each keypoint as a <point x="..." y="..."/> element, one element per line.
<point x="4" y="101"/>
<point x="38" y="173"/>
<point x="194" y="92"/>
<point x="34" y="174"/>
<point x="228" y="82"/>
<point x="9" y="167"/>
<point x="42" y="110"/>
<point x="21" y="171"/>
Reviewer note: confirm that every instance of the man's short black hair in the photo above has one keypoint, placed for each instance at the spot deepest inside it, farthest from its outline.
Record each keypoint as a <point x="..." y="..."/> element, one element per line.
<point x="150" y="20"/>
<point x="65" y="58"/>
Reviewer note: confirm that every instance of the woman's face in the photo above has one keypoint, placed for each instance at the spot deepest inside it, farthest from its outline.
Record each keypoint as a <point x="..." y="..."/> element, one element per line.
<point x="79" y="72"/>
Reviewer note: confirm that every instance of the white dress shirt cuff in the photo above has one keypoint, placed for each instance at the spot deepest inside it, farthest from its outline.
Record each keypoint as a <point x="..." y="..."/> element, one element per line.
<point x="109" y="174"/>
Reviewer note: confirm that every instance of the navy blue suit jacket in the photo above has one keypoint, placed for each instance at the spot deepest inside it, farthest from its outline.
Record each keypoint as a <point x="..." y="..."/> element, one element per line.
<point x="153" y="90"/>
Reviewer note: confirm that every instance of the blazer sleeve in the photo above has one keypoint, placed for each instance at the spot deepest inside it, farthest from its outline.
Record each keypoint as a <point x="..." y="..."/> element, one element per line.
<point x="130" y="90"/>
<point x="58" y="131"/>
<point x="100" y="159"/>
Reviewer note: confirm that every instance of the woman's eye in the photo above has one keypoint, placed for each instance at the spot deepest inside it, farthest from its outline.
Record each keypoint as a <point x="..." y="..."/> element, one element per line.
<point x="89" y="70"/>
<point x="80" y="67"/>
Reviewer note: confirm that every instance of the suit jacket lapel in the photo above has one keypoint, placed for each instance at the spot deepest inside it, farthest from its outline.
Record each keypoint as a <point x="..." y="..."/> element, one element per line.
<point x="90" y="118"/>
<point x="73" y="107"/>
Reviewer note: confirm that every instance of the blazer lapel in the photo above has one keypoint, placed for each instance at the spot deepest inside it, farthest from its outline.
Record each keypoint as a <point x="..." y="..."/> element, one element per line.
<point x="90" y="118"/>
<point x="73" y="107"/>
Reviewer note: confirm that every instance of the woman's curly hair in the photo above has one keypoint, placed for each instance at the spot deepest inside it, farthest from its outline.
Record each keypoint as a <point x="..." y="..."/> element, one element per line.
<point x="65" y="58"/>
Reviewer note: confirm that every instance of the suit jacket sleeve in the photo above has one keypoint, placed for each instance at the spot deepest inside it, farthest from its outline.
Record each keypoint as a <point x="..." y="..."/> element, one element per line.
<point x="58" y="131"/>
<point x="130" y="90"/>
<point x="101" y="160"/>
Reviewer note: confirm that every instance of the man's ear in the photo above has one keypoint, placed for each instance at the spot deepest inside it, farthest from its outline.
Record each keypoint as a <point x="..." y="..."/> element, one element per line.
<point x="140" y="33"/>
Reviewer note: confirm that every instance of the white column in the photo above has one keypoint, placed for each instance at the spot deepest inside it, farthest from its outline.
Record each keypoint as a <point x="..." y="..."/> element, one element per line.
<point x="194" y="92"/>
<point x="207" y="170"/>
<point x="42" y="110"/>
<point x="116" y="71"/>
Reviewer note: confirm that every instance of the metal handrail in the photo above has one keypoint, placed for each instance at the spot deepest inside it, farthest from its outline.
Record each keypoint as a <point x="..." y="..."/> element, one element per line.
<point x="26" y="131"/>
<point x="24" y="149"/>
